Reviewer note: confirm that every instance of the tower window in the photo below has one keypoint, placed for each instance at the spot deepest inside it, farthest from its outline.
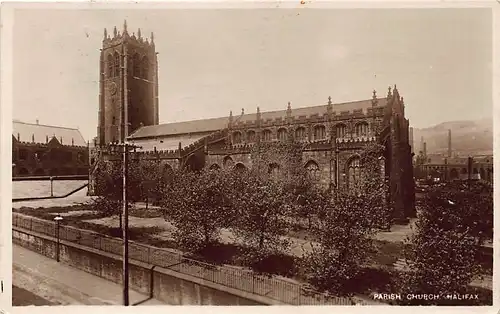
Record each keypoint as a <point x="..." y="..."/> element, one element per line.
<point x="110" y="66"/>
<point x="114" y="120"/>
<point x="136" y="62"/>
<point x="145" y="67"/>
<point x="117" y="64"/>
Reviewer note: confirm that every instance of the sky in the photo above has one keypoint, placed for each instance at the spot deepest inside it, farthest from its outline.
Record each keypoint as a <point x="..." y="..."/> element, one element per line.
<point x="212" y="61"/>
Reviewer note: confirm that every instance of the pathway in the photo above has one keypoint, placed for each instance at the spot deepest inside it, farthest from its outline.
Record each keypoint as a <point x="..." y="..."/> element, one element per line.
<point x="62" y="284"/>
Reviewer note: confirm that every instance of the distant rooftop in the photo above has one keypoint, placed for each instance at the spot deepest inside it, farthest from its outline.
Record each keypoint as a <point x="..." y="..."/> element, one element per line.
<point x="39" y="133"/>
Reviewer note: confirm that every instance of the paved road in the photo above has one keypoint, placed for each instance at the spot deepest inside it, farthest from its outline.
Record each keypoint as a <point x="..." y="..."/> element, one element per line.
<point x="65" y="285"/>
<point x="22" y="297"/>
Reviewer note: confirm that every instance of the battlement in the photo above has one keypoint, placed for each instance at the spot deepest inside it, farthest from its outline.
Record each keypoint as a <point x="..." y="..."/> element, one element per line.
<point x="117" y="37"/>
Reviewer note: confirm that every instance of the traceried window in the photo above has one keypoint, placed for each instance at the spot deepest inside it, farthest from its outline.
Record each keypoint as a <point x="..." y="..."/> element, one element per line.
<point x="266" y="135"/>
<point x="117" y="64"/>
<point x="145" y="67"/>
<point x="362" y="129"/>
<point x="136" y="63"/>
<point x="300" y="134"/>
<point x="312" y="169"/>
<point x="251" y="136"/>
<point x="341" y="130"/>
<point x="319" y="132"/>
<point x="353" y="172"/>
<point x="236" y="137"/>
<point x="282" y="134"/>
<point x="228" y="162"/>
<point x="111" y="66"/>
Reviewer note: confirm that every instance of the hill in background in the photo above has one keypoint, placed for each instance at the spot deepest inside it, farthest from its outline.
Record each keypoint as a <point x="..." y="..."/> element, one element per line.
<point x="473" y="137"/>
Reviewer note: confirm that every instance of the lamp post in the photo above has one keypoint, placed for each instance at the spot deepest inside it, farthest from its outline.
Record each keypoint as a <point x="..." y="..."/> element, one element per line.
<point x="125" y="147"/>
<point x="51" y="186"/>
<point x="57" y="219"/>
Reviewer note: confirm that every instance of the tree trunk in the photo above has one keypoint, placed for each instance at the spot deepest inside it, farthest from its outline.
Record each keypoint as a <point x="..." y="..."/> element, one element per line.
<point x="261" y="240"/>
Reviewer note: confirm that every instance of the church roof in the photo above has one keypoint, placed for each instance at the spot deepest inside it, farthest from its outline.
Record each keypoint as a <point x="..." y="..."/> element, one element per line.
<point x="38" y="133"/>
<point x="214" y="124"/>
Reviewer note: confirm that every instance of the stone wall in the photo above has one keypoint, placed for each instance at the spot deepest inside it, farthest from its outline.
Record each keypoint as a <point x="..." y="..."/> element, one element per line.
<point x="163" y="284"/>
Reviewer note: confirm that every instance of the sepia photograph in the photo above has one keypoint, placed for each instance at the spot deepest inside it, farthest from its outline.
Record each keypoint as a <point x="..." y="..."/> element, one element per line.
<point x="265" y="155"/>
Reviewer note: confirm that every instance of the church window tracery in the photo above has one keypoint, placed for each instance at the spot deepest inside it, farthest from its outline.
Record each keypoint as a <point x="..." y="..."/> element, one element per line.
<point x="300" y="134"/>
<point x="319" y="132"/>
<point x="353" y="171"/>
<point x="282" y="134"/>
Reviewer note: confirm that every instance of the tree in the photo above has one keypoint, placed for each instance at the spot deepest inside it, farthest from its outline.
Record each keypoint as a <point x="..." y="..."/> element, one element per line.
<point x="196" y="204"/>
<point x="443" y="253"/>
<point x="344" y="234"/>
<point x="109" y="187"/>
<point x="261" y="205"/>
<point x="152" y="182"/>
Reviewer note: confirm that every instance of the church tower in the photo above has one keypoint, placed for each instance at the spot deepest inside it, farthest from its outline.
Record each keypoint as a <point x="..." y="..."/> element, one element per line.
<point x="128" y="85"/>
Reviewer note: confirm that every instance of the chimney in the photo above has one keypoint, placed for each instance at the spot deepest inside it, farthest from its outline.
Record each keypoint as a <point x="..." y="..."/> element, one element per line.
<point x="425" y="149"/>
<point x="449" y="142"/>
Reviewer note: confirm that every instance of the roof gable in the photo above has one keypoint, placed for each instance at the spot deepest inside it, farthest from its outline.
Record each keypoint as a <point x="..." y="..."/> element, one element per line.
<point x="42" y="134"/>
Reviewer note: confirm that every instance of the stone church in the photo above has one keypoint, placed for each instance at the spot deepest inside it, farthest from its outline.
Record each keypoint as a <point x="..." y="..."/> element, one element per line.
<point x="332" y="134"/>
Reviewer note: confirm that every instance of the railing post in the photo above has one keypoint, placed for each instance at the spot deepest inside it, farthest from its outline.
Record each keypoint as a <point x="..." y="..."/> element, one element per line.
<point x="253" y="282"/>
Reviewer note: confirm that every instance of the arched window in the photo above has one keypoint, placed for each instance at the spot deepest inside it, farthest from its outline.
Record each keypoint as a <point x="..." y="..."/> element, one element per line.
<point x="362" y="129"/>
<point x="312" y="169"/>
<point x="266" y="135"/>
<point x="282" y="134"/>
<point x="341" y="130"/>
<point x="319" y="132"/>
<point x="136" y="63"/>
<point x="239" y="167"/>
<point x="215" y="167"/>
<point x="167" y="173"/>
<point x="228" y="162"/>
<point x="236" y="137"/>
<point x="274" y="170"/>
<point x="300" y="134"/>
<point x="353" y="172"/>
<point x="110" y="66"/>
<point x="117" y="64"/>
<point x="251" y="136"/>
<point x="145" y="67"/>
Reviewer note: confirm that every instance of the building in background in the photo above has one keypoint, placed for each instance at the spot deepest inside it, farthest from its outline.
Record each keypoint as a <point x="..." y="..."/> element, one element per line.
<point x="44" y="150"/>
<point x="449" y="166"/>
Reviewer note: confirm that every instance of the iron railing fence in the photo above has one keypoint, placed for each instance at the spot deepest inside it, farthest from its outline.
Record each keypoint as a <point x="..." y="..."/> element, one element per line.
<point x="272" y="287"/>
